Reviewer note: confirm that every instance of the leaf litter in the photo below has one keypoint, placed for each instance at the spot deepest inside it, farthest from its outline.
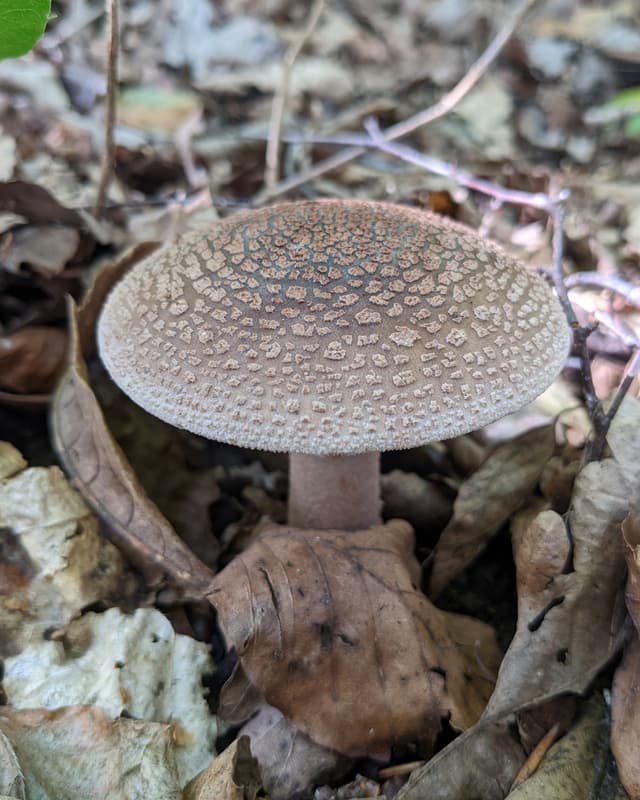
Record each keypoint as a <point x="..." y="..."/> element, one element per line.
<point x="390" y="60"/>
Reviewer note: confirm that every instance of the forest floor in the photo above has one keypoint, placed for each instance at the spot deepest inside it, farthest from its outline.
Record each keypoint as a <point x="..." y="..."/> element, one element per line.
<point x="519" y="119"/>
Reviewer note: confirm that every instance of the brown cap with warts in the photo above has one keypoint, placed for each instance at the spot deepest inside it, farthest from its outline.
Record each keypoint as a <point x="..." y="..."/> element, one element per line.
<point x="332" y="326"/>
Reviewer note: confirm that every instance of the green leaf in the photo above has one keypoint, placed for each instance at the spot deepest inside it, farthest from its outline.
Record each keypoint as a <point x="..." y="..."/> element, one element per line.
<point x="632" y="127"/>
<point x="21" y="23"/>
<point x="626" y="100"/>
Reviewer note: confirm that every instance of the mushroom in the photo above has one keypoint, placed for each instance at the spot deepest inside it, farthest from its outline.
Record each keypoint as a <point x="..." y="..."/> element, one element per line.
<point x="332" y="329"/>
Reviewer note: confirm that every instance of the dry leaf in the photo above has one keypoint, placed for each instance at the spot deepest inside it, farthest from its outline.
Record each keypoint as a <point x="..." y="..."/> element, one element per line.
<point x="101" y="472"/>
<point x="79" y="752"/>
<point x="135" y="666"/>
<point x="625" y="717"/>
<point x="318" y="619"/>
<point x="481" y="763"/>
<point x="487" y="500"/>
<point x="11" y="460"/>
<point x="569" y="616"/>
<point x="36" y="205"/>
<point x="408" y="496"/>
<point x="233" y="775"/>
<point x="32" y="359"/>
<point x="625" y="701"/>
<point x="290" y="763"/>
<point x="574" y="767"/>
<point x="54" y="561"/>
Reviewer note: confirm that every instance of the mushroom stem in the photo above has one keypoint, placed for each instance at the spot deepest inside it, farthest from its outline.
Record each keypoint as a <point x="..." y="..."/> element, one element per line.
<point x="334" y="492"/>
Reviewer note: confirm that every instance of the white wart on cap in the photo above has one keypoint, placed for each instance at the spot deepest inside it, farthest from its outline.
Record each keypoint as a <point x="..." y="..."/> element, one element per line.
<point x="332" y="326"/>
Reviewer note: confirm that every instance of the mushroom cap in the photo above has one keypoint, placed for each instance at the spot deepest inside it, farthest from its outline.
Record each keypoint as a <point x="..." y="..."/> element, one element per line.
<point x="332" y="326"/>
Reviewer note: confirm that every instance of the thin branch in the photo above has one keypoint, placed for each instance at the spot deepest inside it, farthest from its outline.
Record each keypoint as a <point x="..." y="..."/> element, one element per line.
<point x="439" y="109"/>
<point x="108" y="155"/>
<point x="613" y="283"/>
<point x="272" y="155"/>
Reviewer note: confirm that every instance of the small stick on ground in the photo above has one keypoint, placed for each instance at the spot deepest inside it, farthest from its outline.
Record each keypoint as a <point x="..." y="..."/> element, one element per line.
<point x="439" y="109"/>
<point x="108" y="155"/>
<point x="535" y="756"/>
<point x="272" y="155"/>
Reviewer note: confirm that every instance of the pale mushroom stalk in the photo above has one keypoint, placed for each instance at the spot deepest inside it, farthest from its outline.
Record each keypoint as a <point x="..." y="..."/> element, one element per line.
<point x="334" y="492"/>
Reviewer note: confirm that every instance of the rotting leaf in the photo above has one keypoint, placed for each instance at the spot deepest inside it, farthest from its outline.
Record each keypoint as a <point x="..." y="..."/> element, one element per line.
<point x="32" y="359"/>
<point x="487" y="500"/>
<point x="233" y="775"/>
<point x="318" y="619"/>
<point x="36" y="205"/>
<point x="105" y="479"/>
<point x="569" y="616"/>
<point x="80" y="752"/>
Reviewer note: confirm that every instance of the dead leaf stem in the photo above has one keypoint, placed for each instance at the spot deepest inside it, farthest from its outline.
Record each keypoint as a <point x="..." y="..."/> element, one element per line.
<point x="108" y="156"/>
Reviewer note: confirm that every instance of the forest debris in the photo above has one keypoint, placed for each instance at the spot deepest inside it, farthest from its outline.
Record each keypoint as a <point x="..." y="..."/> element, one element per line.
<point x="11" y="461"/>
<point x="135" y="666"/>
<point x="487" y="500"/>
<point x="317" y="619"/>
<point x="573" y="768"/>
<point x="32" y="359"/>
<point x="106" y="480"/>
<point x="625" y="700"/>
<point x="54" y="561"/>
<point x="480" y="763"/>
<point x="80" y="752"/>
<point x="290" y="762"/>
<point x="569" y="611"/>
<point x="408" y="496"/>
<point x="233" y="775"/>
<point x="157" y="110"/>
<point x="36" y="205"/>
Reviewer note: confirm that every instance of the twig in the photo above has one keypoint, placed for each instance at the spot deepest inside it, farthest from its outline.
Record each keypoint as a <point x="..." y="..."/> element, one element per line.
<point x="272" y="155"/>
<point x="108" y="155"/>
<point x="439" y="109"/>
<point x="613" y="283"/>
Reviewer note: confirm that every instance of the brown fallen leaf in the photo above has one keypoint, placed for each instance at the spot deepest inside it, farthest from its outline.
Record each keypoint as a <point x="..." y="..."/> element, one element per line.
<point x="102" y="474"/>
<point x="36" y="205"/>
<point x="78" y="752"/>
<point x="32" y="359"/>
<point x="625" y="717"/>
<point x="625" y="699"/>
<point x="233" y="775"/>
<point x="569" y="594"/>
<point x="318" y="619"/>
<point x="487" y="500"/>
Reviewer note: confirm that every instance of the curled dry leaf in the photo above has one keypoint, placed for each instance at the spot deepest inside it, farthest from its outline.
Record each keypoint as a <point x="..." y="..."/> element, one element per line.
<point x="32" y="359"/>
<point x="625" y="700"/>
<point x="569" y="609"/>
<point x="79" y="752"/>
<point x="487" y="500"/>
<point x="101" y="471"/>
<point x="318" y="619"/>
<point x="128" y="665"/>
<point x="54" y="561"/>
<point x="233" y="775"/>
